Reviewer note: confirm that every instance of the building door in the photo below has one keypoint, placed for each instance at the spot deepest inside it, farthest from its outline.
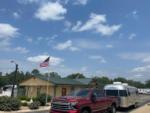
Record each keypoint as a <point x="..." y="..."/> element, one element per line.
<point x="63" y="91"/>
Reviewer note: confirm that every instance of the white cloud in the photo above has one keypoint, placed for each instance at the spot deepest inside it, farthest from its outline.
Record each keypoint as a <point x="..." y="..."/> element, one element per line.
<point x="97" y="57"/>
<point x="40" y="58"/>
<point x="7" y="31"/>
<point x="40" y="38"/>
<point x="51" y="11"/>
<point x="74" y="2"/>
<point x="133" y="14"/>
<point x="21" y="49"/>
<point x="80" y="2"/>
<point x="139" y="75"/>
<point x="84" y="69"/>
<point x="53" y="36"/>
<point x="131" y="36"/>
<point x="93" y="21"/>
<point x="142" y="57"/>
<point x="88" y="44"/>
<point x="77" y="28"/>
<point x="74" y="48"/>
<point x="16" y="15"/>
<point x="62" y="46"/>
<point x="67" y="25"/>
<point x="107" y="30"/>
<point x="30" y="40"/>
<point x="109" y="46"/>
<point x="142" y="69"/>
<point x="146" y="59"/>
<point x="66" y="45"/>
<point x="31" y="1"/>
<point x="97" y="22"/>
<point x="4" y="45"/>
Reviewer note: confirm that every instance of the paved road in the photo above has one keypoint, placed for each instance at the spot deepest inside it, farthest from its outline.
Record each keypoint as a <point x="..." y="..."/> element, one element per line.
<point x="143" y="100"/>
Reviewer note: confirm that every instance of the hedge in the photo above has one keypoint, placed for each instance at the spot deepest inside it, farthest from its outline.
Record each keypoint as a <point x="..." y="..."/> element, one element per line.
<point x="34" y="105"/>
<point x="9" y="104"/>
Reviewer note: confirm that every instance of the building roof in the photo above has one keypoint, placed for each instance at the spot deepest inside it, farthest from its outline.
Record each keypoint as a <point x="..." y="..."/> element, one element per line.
<point x="85" y="81"/>
<point x="66" y="81"/>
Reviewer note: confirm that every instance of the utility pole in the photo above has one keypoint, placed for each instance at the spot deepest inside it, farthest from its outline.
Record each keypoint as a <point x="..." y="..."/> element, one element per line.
<point x="14" y="80"/>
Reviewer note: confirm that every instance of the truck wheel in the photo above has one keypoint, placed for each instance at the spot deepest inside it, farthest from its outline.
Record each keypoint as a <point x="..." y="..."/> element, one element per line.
<point x="113" y="109"/>
<point x="84" y="111"/>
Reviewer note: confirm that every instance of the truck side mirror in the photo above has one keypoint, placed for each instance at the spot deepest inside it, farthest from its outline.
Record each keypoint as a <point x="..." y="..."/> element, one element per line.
<point x="93" y="98"/>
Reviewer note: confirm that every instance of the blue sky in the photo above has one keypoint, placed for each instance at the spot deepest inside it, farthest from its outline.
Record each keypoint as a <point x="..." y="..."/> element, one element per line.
<point x="94" y="37"/>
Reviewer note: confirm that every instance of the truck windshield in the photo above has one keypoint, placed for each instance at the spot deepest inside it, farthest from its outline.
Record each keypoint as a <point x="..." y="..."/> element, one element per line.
<point x="81" y="93"/>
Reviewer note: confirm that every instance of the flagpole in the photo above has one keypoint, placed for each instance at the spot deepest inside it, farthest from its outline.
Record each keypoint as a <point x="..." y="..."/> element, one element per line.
<point x="47" y="84"/>
<point x="45" y="63"/>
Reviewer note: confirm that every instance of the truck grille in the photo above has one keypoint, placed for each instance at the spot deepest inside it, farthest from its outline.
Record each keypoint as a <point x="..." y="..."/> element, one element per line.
<point x="60" y="106"/>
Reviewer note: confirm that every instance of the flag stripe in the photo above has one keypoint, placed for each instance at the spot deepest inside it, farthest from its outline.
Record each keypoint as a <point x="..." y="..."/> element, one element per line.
<point x="45" y="63"/>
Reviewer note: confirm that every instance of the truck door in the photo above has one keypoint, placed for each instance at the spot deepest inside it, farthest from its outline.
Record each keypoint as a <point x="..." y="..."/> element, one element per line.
<point x="101" y="99"/>
<point x="99" y="104"/>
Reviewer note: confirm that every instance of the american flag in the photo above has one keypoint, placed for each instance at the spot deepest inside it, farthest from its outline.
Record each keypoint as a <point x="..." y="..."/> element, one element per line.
<point x="45" y="63"/>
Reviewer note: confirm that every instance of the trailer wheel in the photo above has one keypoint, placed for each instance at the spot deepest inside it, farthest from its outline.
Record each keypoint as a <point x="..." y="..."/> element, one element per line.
<point x="112" y="109"/>
<point x="135" y="105"/>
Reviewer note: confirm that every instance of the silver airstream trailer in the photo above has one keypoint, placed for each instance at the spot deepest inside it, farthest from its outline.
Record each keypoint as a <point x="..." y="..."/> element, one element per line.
<point x="127" y="95"/>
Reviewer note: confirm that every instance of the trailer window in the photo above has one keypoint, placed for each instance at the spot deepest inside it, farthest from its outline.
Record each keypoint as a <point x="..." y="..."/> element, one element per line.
<point x="122" y="93"/>
<point x="112" y="92"/>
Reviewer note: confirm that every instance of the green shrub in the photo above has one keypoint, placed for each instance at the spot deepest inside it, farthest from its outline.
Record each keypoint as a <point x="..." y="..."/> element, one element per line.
<point x="24" y="98"/>
<point x="8" y="104"/>
<point x="49" y="98"/>
<point x="34" y="99"/>
<point x="42" y="99"/>
<point x="34" y="105"/>
<point x="24" y="104"/>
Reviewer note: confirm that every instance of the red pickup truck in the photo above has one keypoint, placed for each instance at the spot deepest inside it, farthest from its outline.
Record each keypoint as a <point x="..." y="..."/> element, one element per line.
<point x="84" y="101"/>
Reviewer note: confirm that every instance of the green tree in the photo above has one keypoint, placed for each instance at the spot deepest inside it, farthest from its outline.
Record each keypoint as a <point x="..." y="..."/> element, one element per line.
<point x="147" y="85"/>
<point x="120" y="79"/>
<point x="136" y="84"/>
<point x="27" y="74"/>
<point x="75" y="76"/>
<point x="102" y="81"/>
<point x="35" y="72"/>
<point x="2" y="81"/>
<point x="53" y="75"/>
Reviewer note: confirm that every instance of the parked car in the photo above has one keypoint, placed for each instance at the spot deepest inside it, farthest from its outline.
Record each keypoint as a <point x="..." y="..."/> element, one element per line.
<point x="144" y="91"/>
<point x="84" y="101"/>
